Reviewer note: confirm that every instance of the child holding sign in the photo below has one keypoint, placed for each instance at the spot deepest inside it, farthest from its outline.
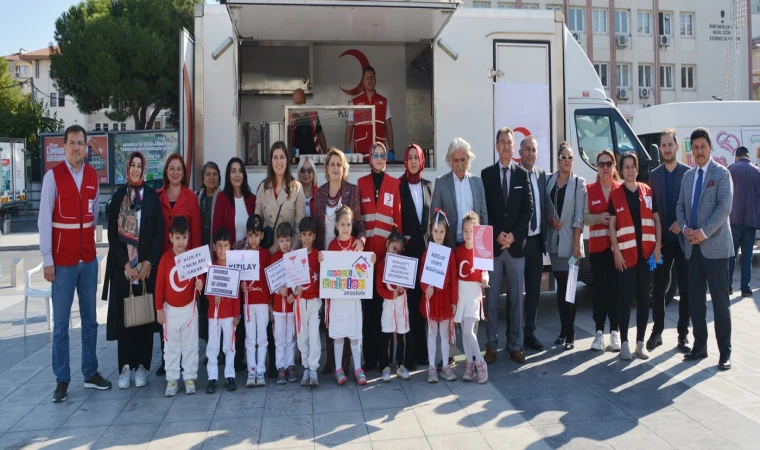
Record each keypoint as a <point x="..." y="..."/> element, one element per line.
<point x="223" y="317"/>
<point x="284" y="319"/>
<point x="256" y="299"/>
<point x="439" y="305"/>
<point x="394" y="319"/>
<point x="471" y="283"/>
<point x="344" y="315"/>
<point x="175" y="310"/>
<point x="308" y="306"/>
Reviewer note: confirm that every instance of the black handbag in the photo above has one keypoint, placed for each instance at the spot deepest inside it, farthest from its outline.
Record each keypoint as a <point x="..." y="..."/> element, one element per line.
<point x="268" y="239"/>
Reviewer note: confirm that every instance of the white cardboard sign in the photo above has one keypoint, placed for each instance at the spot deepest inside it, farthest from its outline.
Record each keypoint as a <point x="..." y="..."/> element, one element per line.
<point x="346" y="275"/>
<point x="297" y="268"/>
<point x="246" y="261"/>
<point x="223" y="281"/>
<point x="193" y="263"/>
<point x="436" y="265"/>
<point x="400" y="270"/>
<point x="276" y="278"/>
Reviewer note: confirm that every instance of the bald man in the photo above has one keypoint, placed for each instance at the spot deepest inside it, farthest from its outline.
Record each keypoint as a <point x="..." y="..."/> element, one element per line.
<point x="305" y="128"/>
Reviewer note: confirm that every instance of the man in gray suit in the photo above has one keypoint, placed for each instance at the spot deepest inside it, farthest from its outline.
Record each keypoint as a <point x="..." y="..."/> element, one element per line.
<point x="459" y="192"/>
<point x="703" y="209"/>
<point x="535" y="244"/>
<point x="665" y="182"/>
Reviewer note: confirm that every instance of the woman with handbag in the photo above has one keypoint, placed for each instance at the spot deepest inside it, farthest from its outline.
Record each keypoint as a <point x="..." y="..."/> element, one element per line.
<point x="279" y="197"/>
<point x="135" y="231"/>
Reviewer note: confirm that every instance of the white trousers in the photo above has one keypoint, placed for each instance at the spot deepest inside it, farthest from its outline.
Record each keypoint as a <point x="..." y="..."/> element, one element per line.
<point x="284" y="339"/>
<point x="256" y="321"/>
<point x="181" y="347"/>
<point x="309" y="342"/>
<point x="432" y="335"/>
<point x="217" y="327"/>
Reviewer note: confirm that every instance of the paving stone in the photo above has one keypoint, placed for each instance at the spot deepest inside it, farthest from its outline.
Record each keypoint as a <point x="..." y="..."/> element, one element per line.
<point x="136" y="436"/>
<point x="287" y="432"/>
<point x="339" y="428"/>
<point x="233" y="433"/>
<point x="392" y="423"/>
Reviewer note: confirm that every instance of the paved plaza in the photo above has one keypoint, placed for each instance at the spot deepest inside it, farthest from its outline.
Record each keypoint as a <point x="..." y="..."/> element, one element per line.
<point x="576" y="399"/>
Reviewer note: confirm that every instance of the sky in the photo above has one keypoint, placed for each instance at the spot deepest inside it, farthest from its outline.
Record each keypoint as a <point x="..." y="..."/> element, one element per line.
<point x="30" y="24"/>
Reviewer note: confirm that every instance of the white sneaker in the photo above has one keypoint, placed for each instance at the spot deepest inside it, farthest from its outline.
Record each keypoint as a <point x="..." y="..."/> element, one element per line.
<point x="189" y="387"/>
<point x="625" y="352"/>
<point x="172" y="387"/>
<point x="641" y="350"/>
<point x="598" y="343"/>
<point x="615" y="341"/>
<point x="141" y="376"/>
<point x="251" y="381"/>
<point x="387" y="375"/>
<point x="260" y="380"/>
<point x="124" y="377"/>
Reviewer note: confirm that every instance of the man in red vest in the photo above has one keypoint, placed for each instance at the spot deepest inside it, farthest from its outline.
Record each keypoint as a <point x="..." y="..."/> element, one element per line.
<point x="66" y="222"/>
<point x="359" y="123"/>
<point x="305" y="129"/>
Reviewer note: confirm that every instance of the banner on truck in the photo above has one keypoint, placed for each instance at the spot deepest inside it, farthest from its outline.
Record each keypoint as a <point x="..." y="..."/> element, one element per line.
<point x="97" y="154"/>
<point x="156" y="146"/>
<point x="531" y="117"/>
<point x="725" y="141"/>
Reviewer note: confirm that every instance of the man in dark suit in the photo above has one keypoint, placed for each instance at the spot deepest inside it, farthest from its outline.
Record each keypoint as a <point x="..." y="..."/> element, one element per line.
<point x="510" y="206"/>
<point x="416" y="196"/>
<point x="535" y="244"/>
<point x="665" y="182"/>
<point x="745" y="216"/>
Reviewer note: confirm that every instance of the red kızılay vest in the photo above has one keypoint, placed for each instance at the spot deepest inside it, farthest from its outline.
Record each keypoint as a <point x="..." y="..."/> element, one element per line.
<point x="73" y="216"/>
<point x="599" y="234"/>
<point x="313" y="121"/>
<point x="363" y="122"/>
<point x="626" y="233"/>
<point x="379" y="216"/>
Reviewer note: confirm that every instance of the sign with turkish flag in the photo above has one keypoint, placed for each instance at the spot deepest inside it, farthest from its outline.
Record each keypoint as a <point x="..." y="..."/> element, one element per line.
<point x="482" y="257"/>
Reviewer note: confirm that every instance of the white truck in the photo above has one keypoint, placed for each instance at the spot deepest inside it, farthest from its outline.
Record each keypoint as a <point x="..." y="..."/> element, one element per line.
<point x="731" y="123"/>
<point x="446" y="72"/>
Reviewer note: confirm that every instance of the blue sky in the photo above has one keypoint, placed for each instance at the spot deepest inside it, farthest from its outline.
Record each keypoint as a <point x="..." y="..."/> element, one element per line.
<point x="30" y="24"/>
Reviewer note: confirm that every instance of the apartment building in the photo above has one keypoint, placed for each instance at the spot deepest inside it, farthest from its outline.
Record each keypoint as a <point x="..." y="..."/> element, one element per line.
<point x="657" y="51"/>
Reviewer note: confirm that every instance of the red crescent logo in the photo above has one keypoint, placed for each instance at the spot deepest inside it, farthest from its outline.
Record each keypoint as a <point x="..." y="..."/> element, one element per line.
<point x="525" y="132"/>
<point x="364" y="62"/>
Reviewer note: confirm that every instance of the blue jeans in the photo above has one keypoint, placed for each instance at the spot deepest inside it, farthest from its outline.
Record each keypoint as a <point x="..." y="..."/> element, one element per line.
<point x="82" y="277"/>
<point x="744" y="237"/>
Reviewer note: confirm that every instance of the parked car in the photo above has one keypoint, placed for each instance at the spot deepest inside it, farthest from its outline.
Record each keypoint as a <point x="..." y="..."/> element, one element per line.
<point x="155" y="184"/>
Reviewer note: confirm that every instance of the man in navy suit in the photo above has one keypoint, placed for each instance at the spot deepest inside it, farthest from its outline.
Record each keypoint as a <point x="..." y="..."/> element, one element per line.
<point x="745" y="216"/>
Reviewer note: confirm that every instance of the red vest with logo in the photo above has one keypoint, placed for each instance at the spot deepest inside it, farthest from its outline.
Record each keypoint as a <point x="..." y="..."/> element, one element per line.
<point x="313" y="120"/>
<point x="379" y="216"/>
<point x="626" y="233"/>
<point x="73" y="216"/>
<point x="599" y="234"/>
<point x="363" y="122"/>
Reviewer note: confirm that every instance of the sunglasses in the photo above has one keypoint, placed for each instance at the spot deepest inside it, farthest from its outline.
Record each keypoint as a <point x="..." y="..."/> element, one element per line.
<point x="565" y="157"/>
<point x="604" y="164"/>
<point x="308" y="170"/>
<point x="379" y="156"/>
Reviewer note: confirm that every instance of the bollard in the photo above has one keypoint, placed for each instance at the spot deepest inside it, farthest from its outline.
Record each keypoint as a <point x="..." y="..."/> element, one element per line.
<point x="99" y="233"/>
<point x="6" y="227"/>
<point x="17" y="271"/>
<point x="101" y="267"/>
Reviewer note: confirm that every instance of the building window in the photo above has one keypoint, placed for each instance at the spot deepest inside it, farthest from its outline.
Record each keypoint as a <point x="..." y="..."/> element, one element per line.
<point x="602" y="72"/>
<point x="687" y="77"/>
<point x="105" y="127"/>
<point x="123" y="126"/>
<point x="644" y="23"/>
<point x="645" y="76"/>
<point x="505" y="5"/>
<point x="665" y="28"/>
<point x="115" y="127"/>
<point x="599" y="21"/>
<point x="575" y="20"/>
<point x="156" y="124"/>
<point x="22" y="69"/>
<point x="666" y="77"/>
<point x="481" y="4"/>
<point x="687" y="24"/>
<point x="62" y="101"/>
<point x="622" y="76"/>
<point x="529" y="6"/>
<point x="97" y="127"/>
<point x="621" y="21"/>
<point x="53" y="99"/>
<point x="553" y="8"/>
<point x="36" y="69"/>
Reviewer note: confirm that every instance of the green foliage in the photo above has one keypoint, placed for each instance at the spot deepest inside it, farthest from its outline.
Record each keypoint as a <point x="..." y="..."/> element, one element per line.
<point x="121" y="54"/>
<point x="10" y="91"/>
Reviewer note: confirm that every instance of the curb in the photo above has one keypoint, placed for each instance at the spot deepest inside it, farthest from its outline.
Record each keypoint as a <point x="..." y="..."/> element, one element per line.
<point x="28" y="248"/>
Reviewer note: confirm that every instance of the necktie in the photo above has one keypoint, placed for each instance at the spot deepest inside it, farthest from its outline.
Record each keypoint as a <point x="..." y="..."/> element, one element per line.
<point x="504" y="186"/>
<point x="695" y="203"/>
<point x="533" y="220"/>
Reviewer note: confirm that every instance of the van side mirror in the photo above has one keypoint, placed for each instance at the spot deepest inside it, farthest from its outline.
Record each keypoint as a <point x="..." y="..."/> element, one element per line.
<point x="654" y="153"/>
<point x="646" y="164"/>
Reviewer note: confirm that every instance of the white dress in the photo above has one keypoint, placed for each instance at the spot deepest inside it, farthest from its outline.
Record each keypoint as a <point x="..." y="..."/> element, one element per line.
<point x="470" y="301"/>
<point x="345" y="315"/>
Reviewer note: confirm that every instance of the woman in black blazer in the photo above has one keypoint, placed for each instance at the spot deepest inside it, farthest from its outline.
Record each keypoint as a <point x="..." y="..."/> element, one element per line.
<point x="135" y="232"/>
<point x="416" y="197"/>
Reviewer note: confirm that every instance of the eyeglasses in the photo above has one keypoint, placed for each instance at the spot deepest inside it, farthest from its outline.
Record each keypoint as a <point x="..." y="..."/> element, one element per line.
<point x="308" y="170"/>
<point x="379" y="156"/>
<point x="565" y="157"/>
<point x="604" y="164"/>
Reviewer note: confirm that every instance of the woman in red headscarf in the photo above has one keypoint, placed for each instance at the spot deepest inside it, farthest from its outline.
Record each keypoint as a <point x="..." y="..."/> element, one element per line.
<point x="135" y="240"/>
<point x="416" y="196"/>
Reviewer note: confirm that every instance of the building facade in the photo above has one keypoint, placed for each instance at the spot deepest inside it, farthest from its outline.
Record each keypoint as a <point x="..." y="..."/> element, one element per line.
<point x="648" y="52"/>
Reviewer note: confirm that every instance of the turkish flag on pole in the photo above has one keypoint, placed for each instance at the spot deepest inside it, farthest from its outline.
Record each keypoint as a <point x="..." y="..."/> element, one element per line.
<point x="483" y="247"/>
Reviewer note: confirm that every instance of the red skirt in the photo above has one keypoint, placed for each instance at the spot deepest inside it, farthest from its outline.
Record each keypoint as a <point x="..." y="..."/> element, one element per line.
<point x="437" y="308"/>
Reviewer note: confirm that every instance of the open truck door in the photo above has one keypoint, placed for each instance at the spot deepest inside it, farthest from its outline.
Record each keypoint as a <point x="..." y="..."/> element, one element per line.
<point x="186" y="79"/>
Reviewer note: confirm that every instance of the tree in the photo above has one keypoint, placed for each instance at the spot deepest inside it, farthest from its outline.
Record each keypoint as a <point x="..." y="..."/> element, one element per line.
<point x="122" y="55"/>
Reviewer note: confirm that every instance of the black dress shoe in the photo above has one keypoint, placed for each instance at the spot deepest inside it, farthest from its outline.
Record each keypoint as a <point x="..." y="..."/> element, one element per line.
<point x="655" y="340"/>
<point x="534" y="344"/>
<point x="560" y="340"/>
<point x="695" y="355"/>
<point x="746" y="293"/>
<point x="683" y="344"/>
<point x="730" y="291"/>
<point x="724" y="364"/>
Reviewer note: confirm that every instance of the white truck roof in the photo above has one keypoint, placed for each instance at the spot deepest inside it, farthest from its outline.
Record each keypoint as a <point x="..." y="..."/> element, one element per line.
<point x="696" y="114"/>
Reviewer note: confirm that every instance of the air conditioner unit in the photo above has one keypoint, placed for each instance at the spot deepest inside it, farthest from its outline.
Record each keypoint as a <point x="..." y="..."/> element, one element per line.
<point x="622" y="40"/>
<point x="648" y="105"/>
<point x="622" y="94"/>
<point x="645" y="92"/>
<point x="665" y="40"/>
<point x="577" y="37"/>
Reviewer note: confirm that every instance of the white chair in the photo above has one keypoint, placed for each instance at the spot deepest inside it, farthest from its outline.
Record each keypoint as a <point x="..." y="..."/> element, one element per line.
<point x="45" y="293"/>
